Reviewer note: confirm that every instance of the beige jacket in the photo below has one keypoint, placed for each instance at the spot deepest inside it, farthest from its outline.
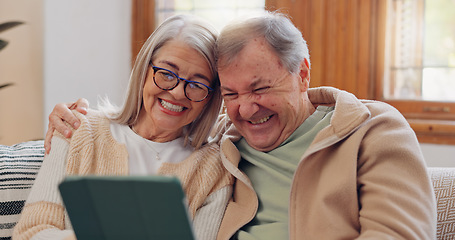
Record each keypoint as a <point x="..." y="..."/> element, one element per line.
<point x="363" y="177"/>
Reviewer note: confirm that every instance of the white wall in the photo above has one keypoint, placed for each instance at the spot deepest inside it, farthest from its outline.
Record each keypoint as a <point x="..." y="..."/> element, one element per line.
<point x="439" y="155"/>
<point x="21" y="63"/>
<point x="86" y="51"/>
<point x="67" y="49"/>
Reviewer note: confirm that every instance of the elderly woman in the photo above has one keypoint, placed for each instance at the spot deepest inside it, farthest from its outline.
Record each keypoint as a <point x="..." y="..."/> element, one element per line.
<point x="172" y="102"/>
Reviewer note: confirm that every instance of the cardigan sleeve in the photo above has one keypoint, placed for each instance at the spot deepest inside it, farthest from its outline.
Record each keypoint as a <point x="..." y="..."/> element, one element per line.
<point x="207" y="219"/>
<point x="43" y="216"/>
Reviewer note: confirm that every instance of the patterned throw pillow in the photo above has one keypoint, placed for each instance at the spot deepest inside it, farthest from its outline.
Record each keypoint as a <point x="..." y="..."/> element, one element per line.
<point x="19" y="165"/>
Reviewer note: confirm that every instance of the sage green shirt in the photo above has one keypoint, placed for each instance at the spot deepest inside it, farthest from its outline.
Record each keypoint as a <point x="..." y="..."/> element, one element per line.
<point x="271" y="174"/>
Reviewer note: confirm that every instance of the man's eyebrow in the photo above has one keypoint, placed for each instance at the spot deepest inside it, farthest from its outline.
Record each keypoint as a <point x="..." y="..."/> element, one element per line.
<point x="253" y="85"/>
<point x="226" y="89"/>
<point x="256" y="82"/>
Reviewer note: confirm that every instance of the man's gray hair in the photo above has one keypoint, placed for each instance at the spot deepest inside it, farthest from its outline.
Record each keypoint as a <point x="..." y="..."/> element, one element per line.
<point x="280" y="33"/>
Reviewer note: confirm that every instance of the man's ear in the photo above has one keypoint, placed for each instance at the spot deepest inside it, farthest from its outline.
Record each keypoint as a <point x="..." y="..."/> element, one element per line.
<point x="304" y="74"/>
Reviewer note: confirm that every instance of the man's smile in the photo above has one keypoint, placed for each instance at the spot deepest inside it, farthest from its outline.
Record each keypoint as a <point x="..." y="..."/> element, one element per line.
<point x="262" y="120"/>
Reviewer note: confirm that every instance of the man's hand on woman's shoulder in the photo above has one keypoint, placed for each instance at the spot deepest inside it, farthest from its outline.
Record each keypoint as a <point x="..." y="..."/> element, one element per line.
<point x="61" y="114"/>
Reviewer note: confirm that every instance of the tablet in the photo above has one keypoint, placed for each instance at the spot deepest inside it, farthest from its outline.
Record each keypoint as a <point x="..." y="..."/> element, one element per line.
<point x="126" y="207"/>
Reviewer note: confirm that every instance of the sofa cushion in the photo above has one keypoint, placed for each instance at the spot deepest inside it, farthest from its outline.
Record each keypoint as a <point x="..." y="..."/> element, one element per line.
<point x="444" y="188"/>
<point x="19" y="165"/>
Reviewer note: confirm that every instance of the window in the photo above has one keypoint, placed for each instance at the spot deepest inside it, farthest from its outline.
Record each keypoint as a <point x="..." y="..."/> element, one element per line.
<point x="419" y="72"/>
<point x="422" y="51"/>
<point x="147" y="14"/>
<point x="348" y="48"/>
<point x="217" y="12"/>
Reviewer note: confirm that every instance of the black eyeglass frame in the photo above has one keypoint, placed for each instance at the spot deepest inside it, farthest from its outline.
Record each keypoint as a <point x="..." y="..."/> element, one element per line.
<point x="155" y="69"/>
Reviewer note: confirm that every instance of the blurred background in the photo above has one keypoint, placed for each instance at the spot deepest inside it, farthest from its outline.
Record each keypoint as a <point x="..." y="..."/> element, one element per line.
<point x="400" y="51"/>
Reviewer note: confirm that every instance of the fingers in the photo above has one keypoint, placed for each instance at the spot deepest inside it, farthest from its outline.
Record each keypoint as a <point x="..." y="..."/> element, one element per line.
<point x="47" y="140"/>
<point x="61" y="114"/>
<point x="81" y="105"/>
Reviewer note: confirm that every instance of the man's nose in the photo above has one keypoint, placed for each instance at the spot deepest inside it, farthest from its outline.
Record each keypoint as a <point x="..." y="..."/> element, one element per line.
<point x="247" y="107"/>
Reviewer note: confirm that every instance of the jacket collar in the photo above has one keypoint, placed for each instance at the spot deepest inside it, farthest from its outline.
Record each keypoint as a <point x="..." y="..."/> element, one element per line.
<point x="349" y="112"/>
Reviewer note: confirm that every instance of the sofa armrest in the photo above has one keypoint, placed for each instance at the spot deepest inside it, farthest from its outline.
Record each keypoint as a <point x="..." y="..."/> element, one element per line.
<point x="444" y="188"/>
<point x="19" y="165"/>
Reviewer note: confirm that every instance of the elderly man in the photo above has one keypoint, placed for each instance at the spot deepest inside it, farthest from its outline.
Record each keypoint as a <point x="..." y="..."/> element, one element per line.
<point x="311" y="163"/>
<point x="316" y="163"/>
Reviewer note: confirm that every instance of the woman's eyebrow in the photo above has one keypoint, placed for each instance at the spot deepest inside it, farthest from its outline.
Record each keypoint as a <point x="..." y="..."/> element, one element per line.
<point x="199" y="75"/>
<point x="176" y="68"/>
<point x="170" y="64"/>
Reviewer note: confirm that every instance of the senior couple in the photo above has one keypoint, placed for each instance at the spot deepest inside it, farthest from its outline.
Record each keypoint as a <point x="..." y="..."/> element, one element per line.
<point x="286" y="161"/>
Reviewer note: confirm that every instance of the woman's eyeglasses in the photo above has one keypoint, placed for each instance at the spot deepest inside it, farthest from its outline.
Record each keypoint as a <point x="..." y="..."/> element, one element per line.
<point x="167" y="80"/>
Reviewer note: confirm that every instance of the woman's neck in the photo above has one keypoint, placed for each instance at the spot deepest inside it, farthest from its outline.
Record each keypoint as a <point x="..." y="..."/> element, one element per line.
<point x="152" y="134"/>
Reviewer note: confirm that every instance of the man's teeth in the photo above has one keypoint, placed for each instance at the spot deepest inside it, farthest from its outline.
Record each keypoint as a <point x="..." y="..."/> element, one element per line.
<point x="171" y="107"/>
<point x="263" y="120"/>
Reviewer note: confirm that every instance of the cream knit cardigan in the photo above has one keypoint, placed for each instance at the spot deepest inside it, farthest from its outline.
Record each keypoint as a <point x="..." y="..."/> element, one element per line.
<point x="93" y="151"/>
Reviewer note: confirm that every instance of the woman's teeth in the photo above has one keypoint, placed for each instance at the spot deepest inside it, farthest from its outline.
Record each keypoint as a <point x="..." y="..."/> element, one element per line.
<point x="263" y="120"/>
<point x="171" y="107"/>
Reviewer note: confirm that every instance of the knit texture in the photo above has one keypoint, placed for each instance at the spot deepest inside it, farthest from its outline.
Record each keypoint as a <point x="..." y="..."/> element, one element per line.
<point x="200" y="174"/>
<point x="93" y="151"/>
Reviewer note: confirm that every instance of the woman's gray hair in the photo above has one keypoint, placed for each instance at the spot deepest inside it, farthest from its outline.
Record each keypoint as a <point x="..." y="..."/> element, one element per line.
<point x="199" y="35"/>
<point x="277" y="29"/>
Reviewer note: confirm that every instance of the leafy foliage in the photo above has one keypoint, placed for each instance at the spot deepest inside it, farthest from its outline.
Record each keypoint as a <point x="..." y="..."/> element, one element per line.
<point x="3" y="27"/>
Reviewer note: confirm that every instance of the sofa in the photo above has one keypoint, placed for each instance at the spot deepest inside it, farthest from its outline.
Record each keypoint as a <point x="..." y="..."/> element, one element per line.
<point x="19" y="165"/>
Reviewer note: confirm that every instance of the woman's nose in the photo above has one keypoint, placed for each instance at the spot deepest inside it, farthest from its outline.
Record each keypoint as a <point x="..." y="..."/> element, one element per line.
<point x="179" y="91"/>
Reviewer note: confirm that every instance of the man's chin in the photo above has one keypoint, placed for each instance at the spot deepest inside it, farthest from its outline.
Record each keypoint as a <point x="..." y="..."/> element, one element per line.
<point x="263" y="145"/>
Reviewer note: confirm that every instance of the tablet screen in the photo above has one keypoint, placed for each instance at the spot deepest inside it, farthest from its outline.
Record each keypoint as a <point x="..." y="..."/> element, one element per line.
<point x="126" y="207"/>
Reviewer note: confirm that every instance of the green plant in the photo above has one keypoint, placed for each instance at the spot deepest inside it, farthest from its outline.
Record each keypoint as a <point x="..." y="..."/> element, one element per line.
<point x="3" y="27"/>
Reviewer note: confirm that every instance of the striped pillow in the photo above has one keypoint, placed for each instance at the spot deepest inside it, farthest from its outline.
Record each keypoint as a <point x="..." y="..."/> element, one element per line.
<point x="19" y="165"/>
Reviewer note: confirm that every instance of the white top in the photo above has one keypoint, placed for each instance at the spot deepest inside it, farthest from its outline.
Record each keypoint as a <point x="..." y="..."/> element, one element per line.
<point x="144" y="156"/>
